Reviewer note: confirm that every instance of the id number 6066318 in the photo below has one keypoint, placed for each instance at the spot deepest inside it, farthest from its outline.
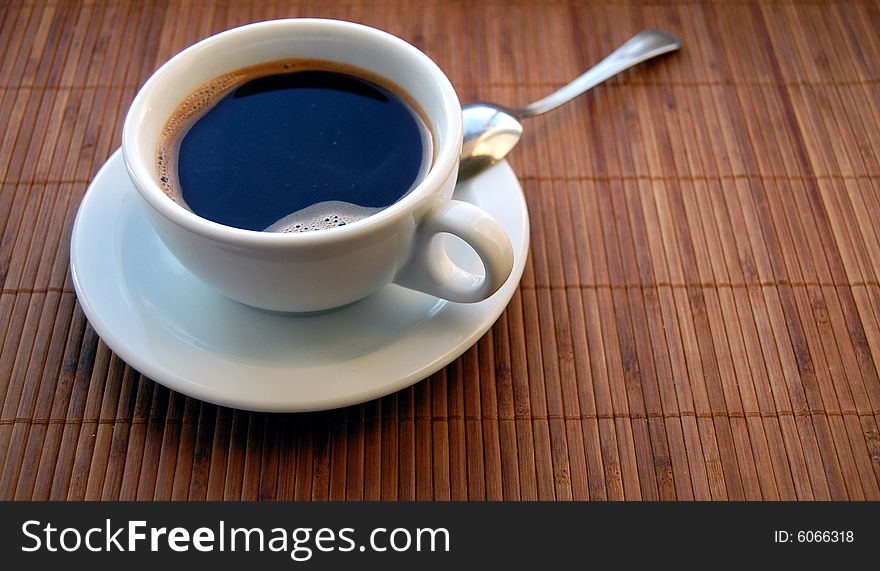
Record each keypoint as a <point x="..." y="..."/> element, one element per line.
<point x="814" y="536"/>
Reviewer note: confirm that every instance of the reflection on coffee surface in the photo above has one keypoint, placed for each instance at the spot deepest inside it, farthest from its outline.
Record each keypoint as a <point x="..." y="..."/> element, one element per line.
<point x="292" y="146"/>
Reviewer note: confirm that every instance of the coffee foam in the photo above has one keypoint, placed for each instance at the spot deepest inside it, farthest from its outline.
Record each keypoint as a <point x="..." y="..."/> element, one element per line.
<point x="321" y="216"/>
<point x="318" y="216"/>
<point x="187" y="113"/>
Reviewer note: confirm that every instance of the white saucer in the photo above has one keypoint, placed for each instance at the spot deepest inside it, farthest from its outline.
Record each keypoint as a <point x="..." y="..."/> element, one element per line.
<point x="173" y="328"/>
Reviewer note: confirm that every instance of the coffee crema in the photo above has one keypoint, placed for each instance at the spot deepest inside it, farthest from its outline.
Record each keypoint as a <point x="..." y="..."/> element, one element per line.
<point x="293" y="146"/>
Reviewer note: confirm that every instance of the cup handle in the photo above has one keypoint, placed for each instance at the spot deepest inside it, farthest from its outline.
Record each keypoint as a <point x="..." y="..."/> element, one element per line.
<point x="430" y="270"/>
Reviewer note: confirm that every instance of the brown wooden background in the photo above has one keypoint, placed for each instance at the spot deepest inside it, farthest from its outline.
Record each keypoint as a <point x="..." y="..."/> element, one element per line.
<point x="699" y="317"/>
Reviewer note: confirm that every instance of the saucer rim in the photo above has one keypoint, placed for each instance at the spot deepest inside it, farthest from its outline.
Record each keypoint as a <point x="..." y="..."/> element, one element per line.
<point x="213" y="394"/>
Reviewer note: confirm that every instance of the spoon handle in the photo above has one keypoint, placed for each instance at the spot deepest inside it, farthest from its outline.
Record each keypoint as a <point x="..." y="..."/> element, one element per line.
<point x="643" y="46"/>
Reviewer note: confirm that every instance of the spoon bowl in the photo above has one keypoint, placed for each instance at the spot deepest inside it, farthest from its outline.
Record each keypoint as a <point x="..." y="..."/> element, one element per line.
<point x="490" y="132"/>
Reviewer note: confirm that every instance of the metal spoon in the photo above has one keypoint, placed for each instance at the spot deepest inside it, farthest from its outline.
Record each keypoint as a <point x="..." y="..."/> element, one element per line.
<point x="491" y="131"/>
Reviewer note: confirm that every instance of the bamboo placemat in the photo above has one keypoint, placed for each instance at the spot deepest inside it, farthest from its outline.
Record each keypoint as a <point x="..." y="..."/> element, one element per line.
<point x="699" y="317"/>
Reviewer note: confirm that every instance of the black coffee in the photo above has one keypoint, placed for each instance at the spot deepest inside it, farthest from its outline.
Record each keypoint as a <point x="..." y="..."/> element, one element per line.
<point x="286" y="147"/>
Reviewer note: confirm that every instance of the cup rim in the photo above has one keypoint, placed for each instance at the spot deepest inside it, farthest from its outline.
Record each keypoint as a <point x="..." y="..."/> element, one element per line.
<point x="142" y="172"/>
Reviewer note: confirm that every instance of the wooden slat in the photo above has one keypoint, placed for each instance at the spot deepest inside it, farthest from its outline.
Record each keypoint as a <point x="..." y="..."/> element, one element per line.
<point x="699" y="316"/>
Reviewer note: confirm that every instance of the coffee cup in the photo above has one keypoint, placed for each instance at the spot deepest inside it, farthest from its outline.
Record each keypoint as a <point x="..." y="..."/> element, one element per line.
<point x="331" y="267"/>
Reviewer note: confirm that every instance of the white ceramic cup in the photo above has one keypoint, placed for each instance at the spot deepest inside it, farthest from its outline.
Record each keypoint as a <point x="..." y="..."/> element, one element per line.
<point x="332" y="267"/>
